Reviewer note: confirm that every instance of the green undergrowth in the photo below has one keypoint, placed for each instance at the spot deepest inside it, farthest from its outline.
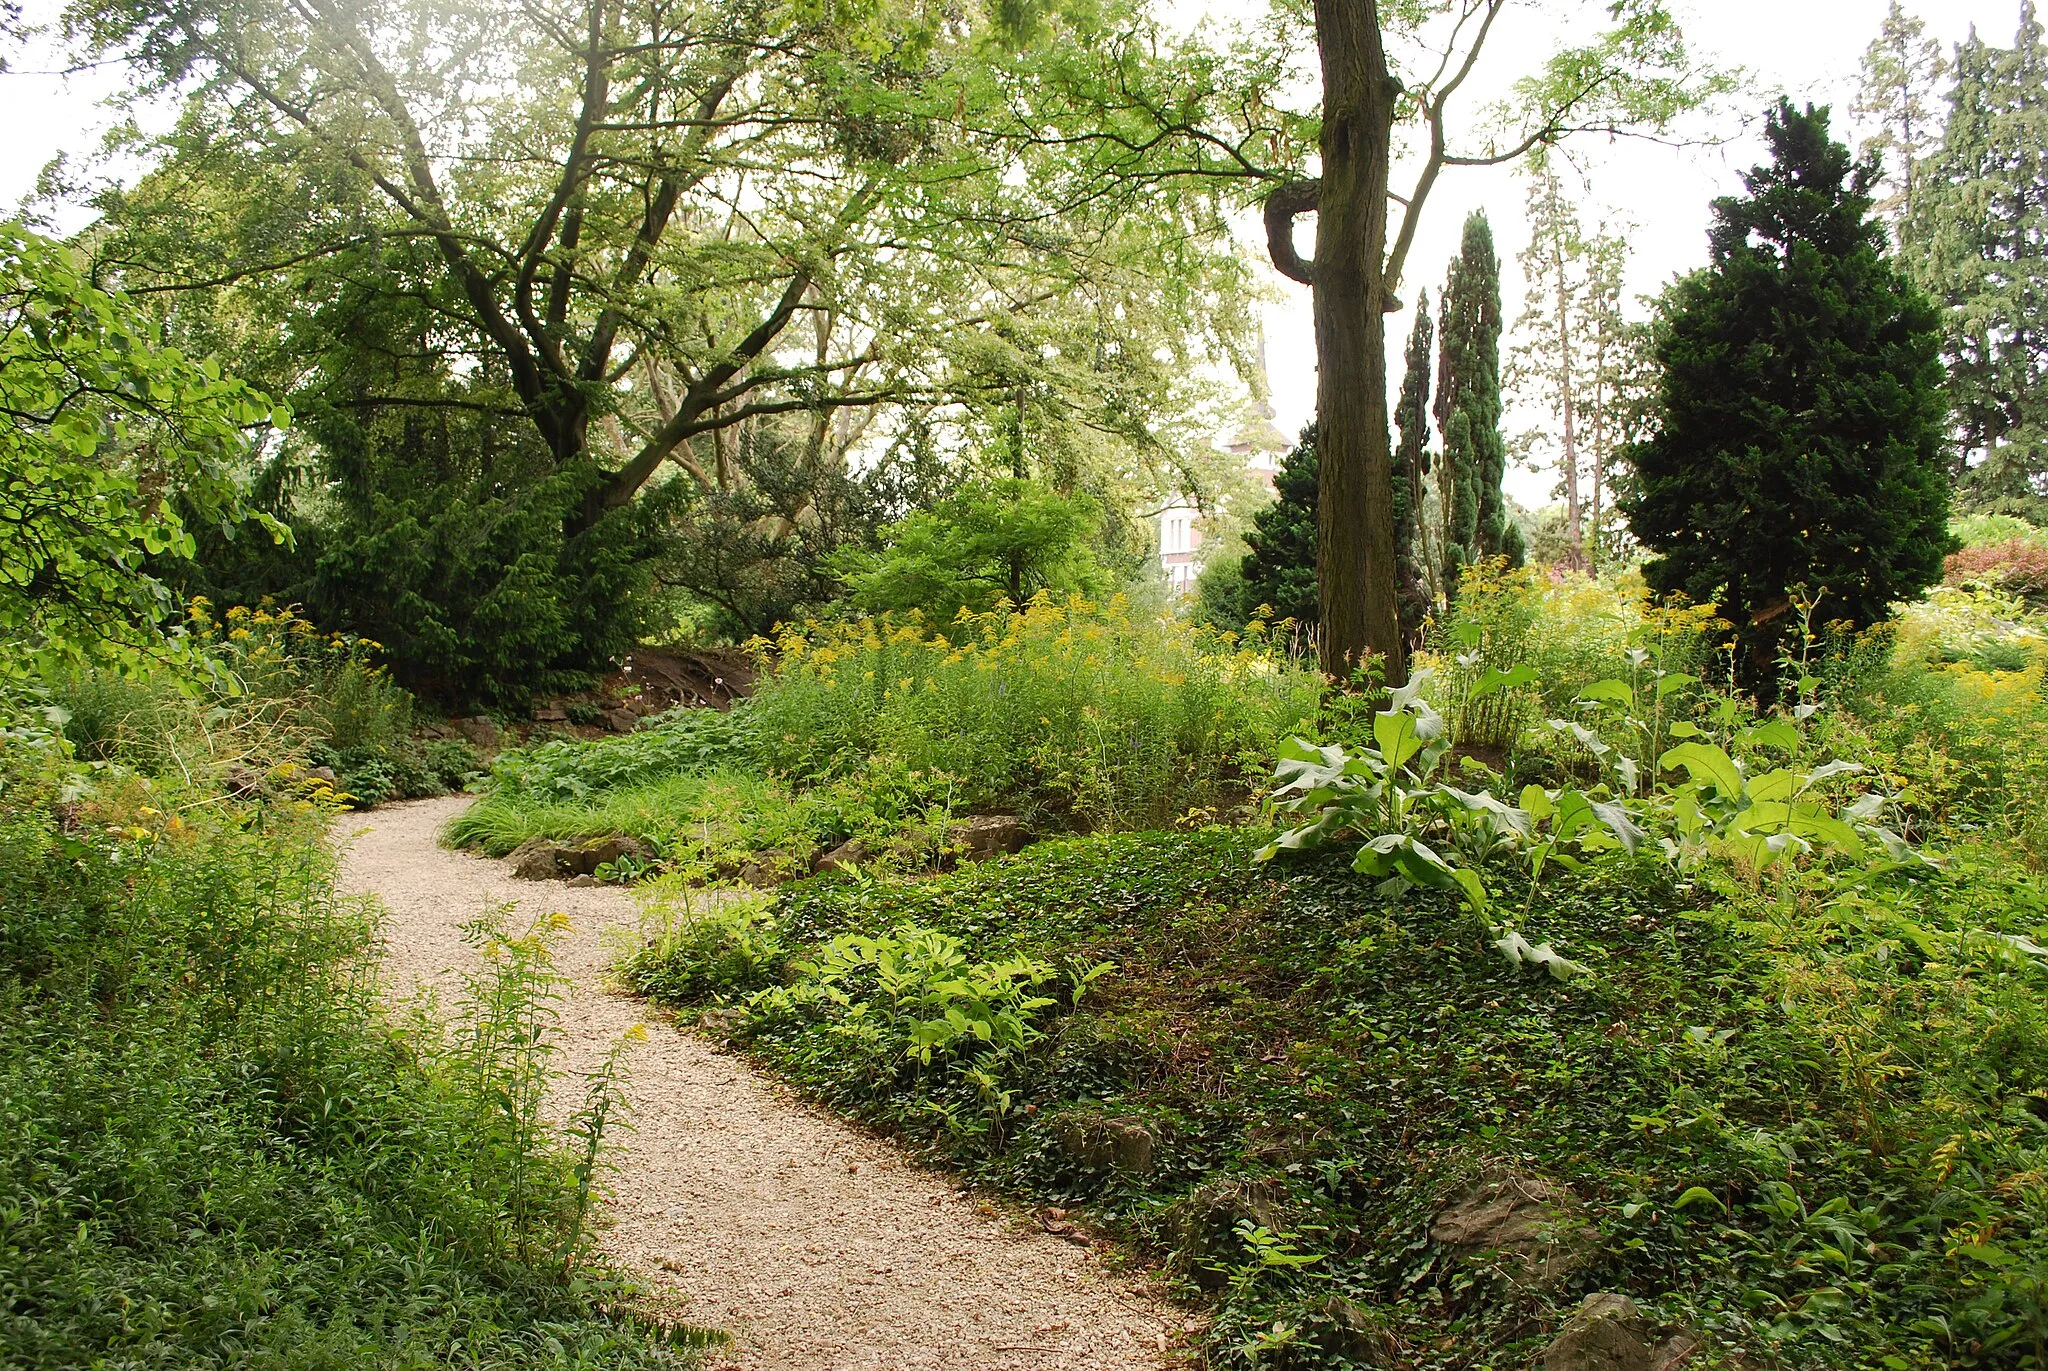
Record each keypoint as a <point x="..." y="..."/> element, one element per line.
<point x="218" y="1149"/>
<point x="1074" y="716"/>
<point x="1805" y="1116"/>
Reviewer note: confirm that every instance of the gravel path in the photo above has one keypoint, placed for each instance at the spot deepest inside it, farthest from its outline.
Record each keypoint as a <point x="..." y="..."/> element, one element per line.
<point x="816" y="1246"/>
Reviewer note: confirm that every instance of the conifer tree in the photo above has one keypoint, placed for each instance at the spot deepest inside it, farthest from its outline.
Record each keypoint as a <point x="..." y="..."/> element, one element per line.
<point x="1280" y="569"/>
<point x="1902" y="69"/>
<point x="1468" y="408"/>
<point x="1979" y="245"/>
<point x="1558" y="352"/>
<point x="1800" y="414"/>
<point x="1411" y="468"/>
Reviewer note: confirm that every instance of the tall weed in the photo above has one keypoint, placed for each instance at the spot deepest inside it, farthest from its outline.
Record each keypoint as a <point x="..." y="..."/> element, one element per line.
<point x="1072" y="711"/>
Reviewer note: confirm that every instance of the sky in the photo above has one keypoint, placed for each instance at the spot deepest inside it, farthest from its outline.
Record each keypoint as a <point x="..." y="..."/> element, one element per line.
<point x="1809" y="49"/>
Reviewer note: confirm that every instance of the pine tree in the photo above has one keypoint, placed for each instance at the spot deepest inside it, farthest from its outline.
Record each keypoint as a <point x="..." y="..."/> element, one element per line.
<point x="1902" y="68"/>
<point x="1468" y="408"/>
<point x="1800" y="414"/>
<point x="1411" y="468"/>
<point x="1280" y="569"/>
<point x="1979" y="244"/>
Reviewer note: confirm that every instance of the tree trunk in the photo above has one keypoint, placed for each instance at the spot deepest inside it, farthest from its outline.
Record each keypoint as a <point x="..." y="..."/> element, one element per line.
<point x="1355" y="557"/>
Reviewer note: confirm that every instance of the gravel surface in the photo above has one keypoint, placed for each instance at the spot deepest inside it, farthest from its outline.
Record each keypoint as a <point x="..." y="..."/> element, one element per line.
<point x="814" y="1245"/>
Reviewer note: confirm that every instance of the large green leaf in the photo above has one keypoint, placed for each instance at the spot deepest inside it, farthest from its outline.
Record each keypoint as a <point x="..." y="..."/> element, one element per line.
<point x="1708" y="763"/>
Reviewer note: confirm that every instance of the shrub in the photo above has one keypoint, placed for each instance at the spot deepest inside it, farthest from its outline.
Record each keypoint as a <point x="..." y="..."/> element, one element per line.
<point x="217" y="1150"/>
<point x="1070" y="712"/>
<point x="2018" y="566"/>
<point x="1002" y="542"/>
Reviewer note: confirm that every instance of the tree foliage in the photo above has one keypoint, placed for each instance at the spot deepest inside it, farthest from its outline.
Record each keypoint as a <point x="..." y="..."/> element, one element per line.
<point x="1468" y="409"/>
<point x="1799" y="440"/>
<point x="1280" y="569"/>
<point x="997" y="542"/>
<point x="1411" y="472"/>
<point x="1978" y="243"/>
<point x="639" y="231"/>
<point x="108" y="437"/>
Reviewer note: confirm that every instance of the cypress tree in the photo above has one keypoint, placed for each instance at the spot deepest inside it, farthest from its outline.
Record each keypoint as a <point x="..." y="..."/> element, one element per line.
<point x="1280" y="569"/>
<point x="1468" y="408"/>
<point x="1411" y="465"/>
<point x="1800" y="435"/>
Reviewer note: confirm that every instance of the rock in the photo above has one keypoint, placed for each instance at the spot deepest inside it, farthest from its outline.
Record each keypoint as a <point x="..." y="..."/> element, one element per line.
<point x="1675" y="1351"/>
<point x="1204" y="1226"/>
<point x="1104" y="1144"/>
<point x="848" y="853"/>
<point x="621" y="720"/>
<point x="1608" y="1333"/>
<point x="990" y="835"/>
<point x="1539" y="1225"/>
<point x="721" y="1023"/>
<point x="586" y="857"/>
<point x="552" y="715"/>
<point x="761" y="875"/>
<point x="1356" y="1336"/>
<point x="582" y="882"/>
<point x="480" y="731"/>
<point x="247" y="783"/>
<point x="536" y="859"/>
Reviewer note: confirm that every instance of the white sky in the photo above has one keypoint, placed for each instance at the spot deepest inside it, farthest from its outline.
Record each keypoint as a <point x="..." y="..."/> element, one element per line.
<point x="1808" y="48"/>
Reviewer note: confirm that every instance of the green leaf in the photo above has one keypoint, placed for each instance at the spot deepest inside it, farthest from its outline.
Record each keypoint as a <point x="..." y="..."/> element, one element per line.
<point x="1616" y="692"/>
<point x="1699" y="1194"/>
<point x="1706" y="762"/>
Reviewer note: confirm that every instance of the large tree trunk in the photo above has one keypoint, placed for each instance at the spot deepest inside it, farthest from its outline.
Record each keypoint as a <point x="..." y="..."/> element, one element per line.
<point x="1355" y="560"/>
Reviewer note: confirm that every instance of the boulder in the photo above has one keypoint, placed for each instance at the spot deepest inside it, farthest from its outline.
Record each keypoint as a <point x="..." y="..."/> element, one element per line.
<point x="983" y="836"/>
<point x="247" y="783"/>
<point x="849" y="853"/>
<point x="582" y="882"/>
<point x="621" y="720"/>
<point x="1356" y="1336"/>
<point x="1104" y="1144"/>
<point x="1204" y="1226"/>
<point x="586" y="857"/>
<point x="536" y="859"/>
<point x="1539" y="1226"/>
<point x="1608" y="1333"/>
<point x="480" y="731"/>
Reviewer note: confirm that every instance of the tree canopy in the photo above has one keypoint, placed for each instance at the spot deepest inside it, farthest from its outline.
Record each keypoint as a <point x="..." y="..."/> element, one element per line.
<point x="108" y="435"/>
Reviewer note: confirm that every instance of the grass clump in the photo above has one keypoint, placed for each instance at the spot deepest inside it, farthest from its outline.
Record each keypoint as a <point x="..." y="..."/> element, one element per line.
<point x="217" y="1149"/>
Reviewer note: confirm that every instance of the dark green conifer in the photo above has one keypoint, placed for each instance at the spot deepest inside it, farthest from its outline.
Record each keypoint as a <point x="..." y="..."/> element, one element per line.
<point x="1468" y="408"/>
<point x="1280" y="569"/>
<point x="1799" y="438"/>
<point x="1411" y="464"/>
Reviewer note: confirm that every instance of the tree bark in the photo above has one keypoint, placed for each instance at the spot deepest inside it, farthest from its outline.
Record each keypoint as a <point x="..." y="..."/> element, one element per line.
<point x="1355" y="556"/>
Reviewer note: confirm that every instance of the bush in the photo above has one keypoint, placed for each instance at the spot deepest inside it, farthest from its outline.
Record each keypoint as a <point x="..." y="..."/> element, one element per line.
<point x="2018" y="566"/>
<point x="216" y="1150"/>
<point x="1065" y="712"/>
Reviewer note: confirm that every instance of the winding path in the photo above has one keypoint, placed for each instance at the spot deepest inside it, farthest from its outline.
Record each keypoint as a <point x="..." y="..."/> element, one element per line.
<point x="815" y="1245"/>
